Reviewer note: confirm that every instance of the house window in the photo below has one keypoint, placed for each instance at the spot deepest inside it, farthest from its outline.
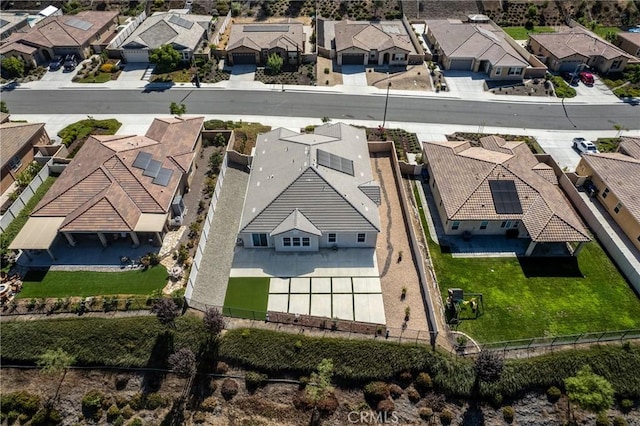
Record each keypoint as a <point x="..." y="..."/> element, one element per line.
<point x="433" y="185"/>
<point x="455" y="225"/>
<point x="331" y="238"/>
<point x="286" y="241"/>
<point x="505" y="224"/>
<point x="605" y="193"/>
<point x="15" y="162"/>
<point x="617" y="208"/>
<point x="616" y="64"/>
<point x="361" y="238"/>
<point x="515" y="71"/>
<point x="515" y="224"/>
<point x="498" y="70"/>
<point x="259" y="240"/>
<point x="305" y="242"/>
<point x="484" y="224"/>
<point x="296" y="241"/>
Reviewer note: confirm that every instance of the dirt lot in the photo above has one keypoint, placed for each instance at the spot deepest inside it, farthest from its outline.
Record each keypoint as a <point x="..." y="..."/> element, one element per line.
<point x="416" y="77"/>
<point x="333" y="78"/>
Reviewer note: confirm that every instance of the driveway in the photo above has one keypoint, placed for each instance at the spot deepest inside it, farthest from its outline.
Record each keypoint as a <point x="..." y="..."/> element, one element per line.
<point x="133" y="72"/>
<point x="59" y="76"/>
<point x="354" y="75"/>
<point x="243" y="73"/>
<point x="599" y="92"/>
<point x="467" y="84"/>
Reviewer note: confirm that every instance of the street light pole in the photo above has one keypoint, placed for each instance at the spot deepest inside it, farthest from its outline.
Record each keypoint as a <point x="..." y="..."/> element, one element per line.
<point x="386" y="102"/>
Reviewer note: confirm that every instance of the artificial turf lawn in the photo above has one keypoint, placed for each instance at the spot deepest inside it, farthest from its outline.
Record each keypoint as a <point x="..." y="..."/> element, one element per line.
<point x="247" y="297"/>
<point x="521" y="33"/>
<point x="539" y="297"/>
<point x="39" y="284"/>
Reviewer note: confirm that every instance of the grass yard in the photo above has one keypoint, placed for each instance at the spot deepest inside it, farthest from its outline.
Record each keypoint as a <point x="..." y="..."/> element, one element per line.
<point x="90" y="126"/>
<point x="101" y="77"/>
<point x="602" y="31"/>
<point x="247" y="298"/>
<point x="526" y="298"/>
<point x="521" y="33"/>
<point x="88" y="283"/>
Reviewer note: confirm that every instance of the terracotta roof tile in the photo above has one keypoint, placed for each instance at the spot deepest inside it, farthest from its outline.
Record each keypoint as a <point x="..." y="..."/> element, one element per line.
<point x="579" y="41"/>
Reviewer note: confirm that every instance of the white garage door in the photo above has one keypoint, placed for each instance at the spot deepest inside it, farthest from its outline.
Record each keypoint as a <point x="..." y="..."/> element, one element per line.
<point x="136" y="56"/>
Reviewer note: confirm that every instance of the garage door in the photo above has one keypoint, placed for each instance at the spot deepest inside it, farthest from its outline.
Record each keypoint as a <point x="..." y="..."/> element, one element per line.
<point x="569" y="66"/>
<point x="353" y="59"/>
<point x="461" y="64"/>
<point x="136" y="56"/>
<point x="244" y="58"/>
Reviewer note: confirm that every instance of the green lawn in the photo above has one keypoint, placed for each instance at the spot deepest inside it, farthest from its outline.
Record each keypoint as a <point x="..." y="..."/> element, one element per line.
<point x="602" y="31"/>
<point x="247" y="297"/>
<point x="89" y="283"/>
<point x="521" y="33"/>
<point x="101" y="77"/>
<point x="525" y="298"/>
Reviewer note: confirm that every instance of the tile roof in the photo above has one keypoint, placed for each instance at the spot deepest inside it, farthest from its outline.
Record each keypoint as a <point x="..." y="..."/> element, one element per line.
<point x="368" y="36"/>
<point x="258" y="36"/>
<point x="13" y="138"/>
<point x="630" y="146"/>
<point x="61" y="31"/>
<point x="463" y="172"/>
<point x="579" y="41"/>
<point x="101" y="190"/>
<point x="630" y="37"/>
<point x="464" y="40"/>
<point x="285" y="177"/>
<point x="621" y="174"/>
<point x="165" y="28"/>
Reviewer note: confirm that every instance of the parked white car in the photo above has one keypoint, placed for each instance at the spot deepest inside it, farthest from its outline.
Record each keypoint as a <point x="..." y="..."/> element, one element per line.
<point x="584" y="146"/>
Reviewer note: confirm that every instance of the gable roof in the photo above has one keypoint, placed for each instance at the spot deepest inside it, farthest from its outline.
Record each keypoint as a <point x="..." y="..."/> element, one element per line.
<point x="464" y="40"/>
<point x="289" y="189"/>
<point x="578" y="40"/>
<point x="60" y="31"/>
<point x="633" y="38"/>
<point x="287" y="35"/>
<point x="162" y="28"/>
<point x="630" y="146"/>
<point x="13" y="138"/>
<point x="371" y="36"/>
<point x="463" y="174"/>
<point x="102" y="190"/>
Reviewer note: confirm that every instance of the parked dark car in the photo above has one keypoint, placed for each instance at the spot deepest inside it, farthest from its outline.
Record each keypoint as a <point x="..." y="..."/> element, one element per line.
<point x="70" y="62"/>
<point x="571" y="78"/>
<point x="55" y="63"/>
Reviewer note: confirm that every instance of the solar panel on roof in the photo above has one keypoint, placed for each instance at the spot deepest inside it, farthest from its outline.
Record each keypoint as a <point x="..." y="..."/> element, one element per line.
<point x="79" y="24"/>
<point x="164" y="175"/>
<point x="266" y="29"/>
<point x="142" y="160"/>
<point x="505" y="197"/>
<point x="334" y="162"/>
<point x="152" y="169"/>
<point x="184" y="23"/>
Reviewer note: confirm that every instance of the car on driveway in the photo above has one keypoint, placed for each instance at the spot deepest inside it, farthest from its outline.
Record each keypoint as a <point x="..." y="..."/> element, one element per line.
<point x="570" y="78"/>
<point x="55" y="63"/>
<point x="70" y="62"/>
<point x="587" y="78"/>
<point x="584" y="146"/>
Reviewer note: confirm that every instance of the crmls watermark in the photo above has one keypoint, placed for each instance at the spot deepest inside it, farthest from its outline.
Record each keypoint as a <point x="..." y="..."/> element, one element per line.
<point x="373" y="417"/>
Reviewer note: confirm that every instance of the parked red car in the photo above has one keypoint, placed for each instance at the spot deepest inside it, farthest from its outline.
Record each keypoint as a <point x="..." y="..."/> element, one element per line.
<point x="587" y="78"/>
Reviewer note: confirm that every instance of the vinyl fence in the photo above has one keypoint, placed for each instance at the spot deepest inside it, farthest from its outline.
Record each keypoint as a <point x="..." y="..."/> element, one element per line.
<point x="126" y="31"/>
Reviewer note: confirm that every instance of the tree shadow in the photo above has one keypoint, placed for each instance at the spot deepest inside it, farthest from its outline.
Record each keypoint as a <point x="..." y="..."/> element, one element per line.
<point x="564" y="266"/>
<point x="159" y="359"/>
<point x="207" y="360"/>
<point x="473" y="416"/>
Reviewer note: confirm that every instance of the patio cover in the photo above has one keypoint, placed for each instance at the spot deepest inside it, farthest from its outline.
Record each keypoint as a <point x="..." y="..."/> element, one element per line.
<point x="37" y="234"/>
<point x="151" y="222"/>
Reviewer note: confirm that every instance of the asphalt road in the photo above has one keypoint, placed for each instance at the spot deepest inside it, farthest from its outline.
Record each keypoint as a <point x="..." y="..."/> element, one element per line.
<point x="307" y="104"/>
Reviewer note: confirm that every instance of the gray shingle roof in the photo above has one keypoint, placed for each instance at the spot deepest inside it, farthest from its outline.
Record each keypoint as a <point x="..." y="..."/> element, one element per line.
<point x="285" y="177"/>
<point x="162" y="28"/>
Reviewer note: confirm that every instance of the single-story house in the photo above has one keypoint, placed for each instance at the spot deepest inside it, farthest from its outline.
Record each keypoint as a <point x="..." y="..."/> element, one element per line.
<point x="476" y="47"/>
<point x="11" y="22"/>
<point x="253" y="43"/>
<point x="499" y="188"/>
<point x="311" y="191"/>
<point x="185" y="32"/>
<point x="79" y="34"/>
<point x="18" y="145"/>
<point x="118" y="187"/>
<point x="629" y="42"/>
<point x="616" y="176"/>
<point x="566" y="51"/>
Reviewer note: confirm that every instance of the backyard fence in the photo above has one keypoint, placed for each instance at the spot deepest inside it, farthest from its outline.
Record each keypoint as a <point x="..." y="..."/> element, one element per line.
<point x="126" y="31"/>
<point x="221" y="29"/>
<point x="16" y="207"/>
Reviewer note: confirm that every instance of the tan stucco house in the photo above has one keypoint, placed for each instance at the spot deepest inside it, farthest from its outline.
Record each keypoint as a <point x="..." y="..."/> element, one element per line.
<point x="616" y="176"/>
<point x="253" y="43"/>
<point x="629" y="42"/>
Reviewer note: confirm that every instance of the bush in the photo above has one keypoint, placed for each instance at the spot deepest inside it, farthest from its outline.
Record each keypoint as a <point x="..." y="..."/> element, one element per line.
<point x="435" y="401"/>
<point x="46" y="418"/>
<point x="328" y="404"/>
<point x="229" y="389"/>
<point x="602" y="420"/>
<point x="254" y="380"/>
<point x="12" y="416"/>
<point x="626" y="405"/>
<point x="406" y="378"/>
<point x="508" y="414"/>
<point x="135" y="422"/>
<point x="395" y="391"/>
<point x="107" y="68"/>
<point x="425" y="413"/>
<point x="112" y="413"/>
<point x="155" y="400"/>
<point x="83" y="128"/>
<point x="423" y="383"/>
<point x="385" y="406"/>
<point x="209" y="404"/>
<point x="375" y="392"/>
<point x="554" y="394"/>
<point x="413" y="395"/>
<point x="19" y="402"/>
<point x="92" y="404"/>
<point x="222" y="367"/>
<point x="619" y="421"/>
<point x="127" y="412"/>
<point x="446" y="417"/>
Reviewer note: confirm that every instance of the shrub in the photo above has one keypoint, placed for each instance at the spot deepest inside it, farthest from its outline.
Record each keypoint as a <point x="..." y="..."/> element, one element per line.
<point x="406" y="378"/>
<point x="508" y="414"/>
<point x="229" y="389"/>
<point x="554" y="394"/>
<point x="209" y="404"/>
<point x="395" y="391"/>
<point x="423" y="383"/>
<point x="254" y="380"/>
<point x="92" y="400"/>
<point x="135" y="422"/>
<point x="375" y="392"/>
<point x="385" y="406"/>
<point x="619" y="421"/>
<point x="127" y="412"/>
<point x="602" y="420"/>
<point x="112" y="413"/>
<point x="136" y="402"/>
<point x="46" y="418"/>
<point x="155" y="400"/>
<point x="446" y="417"/>
<point x="20" y="402"/>
<point x="12" y="416"/>
<point x="107" y="68"/>
<point x="222" y="367"/>
<point x="328" y="404"/>
<point x="626" y="405"/>
<point x="425" y="413"/>
<point x="413" y="395"/>
<point x="119" y="421"/>
<point x="434" y="400"/>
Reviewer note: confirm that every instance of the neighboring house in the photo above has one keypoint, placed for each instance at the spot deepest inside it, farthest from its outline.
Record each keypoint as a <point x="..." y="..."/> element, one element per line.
<point x="186" y="33"/>
<point x="630" y="43"/>
<point x="567" y="51"/>
<point x="253" y="43"/>
<point x="12" y="22"/>
<point x="118" y="187"/>
<point x="616" y="176"/>
<point x="476" y="47"/>
<point x="18" y="145"/>
<point x="80" y="34"/>
<point x="311" y="191"/>
<point x="499" y="188"/>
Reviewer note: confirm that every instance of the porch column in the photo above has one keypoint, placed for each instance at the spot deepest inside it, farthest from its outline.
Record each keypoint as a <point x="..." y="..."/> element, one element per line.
<point x="134" y="238"/>
<point x="102" y="238"/>
<point x="158" y="238"/>
<point x="532" y="246"/>
<point x="70" y="239"/>
<point x="578" y="249"/>
<point x="51" y="254"/>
